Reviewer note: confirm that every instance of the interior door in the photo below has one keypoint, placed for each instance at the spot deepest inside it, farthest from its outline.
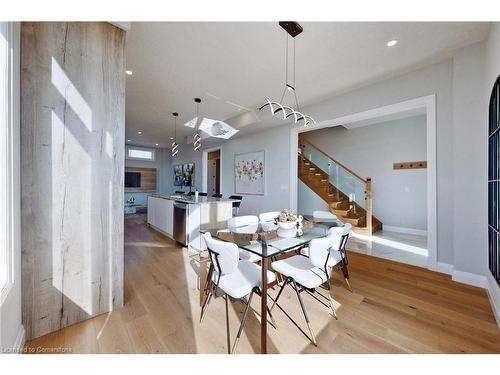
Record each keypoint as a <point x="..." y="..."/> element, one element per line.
<point x="212" y="177"/>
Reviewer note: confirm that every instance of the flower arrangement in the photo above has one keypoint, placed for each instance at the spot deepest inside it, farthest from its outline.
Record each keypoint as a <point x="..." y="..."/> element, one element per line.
<point x="286" y="216"/>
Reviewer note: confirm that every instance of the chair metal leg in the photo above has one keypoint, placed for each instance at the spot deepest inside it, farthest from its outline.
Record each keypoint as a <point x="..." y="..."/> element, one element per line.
<point x="345" y="272"/>
<point x="227" y="326"/>
<point x="279" y="293"/>
<point x="304" y="311"/>
<point x="348" y="284"/>
<point x="243" y="320"/>
<point x="205" y="305"/>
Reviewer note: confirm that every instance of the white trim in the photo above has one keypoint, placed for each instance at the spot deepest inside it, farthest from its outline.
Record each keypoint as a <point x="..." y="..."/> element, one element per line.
<point x="204" y="167"/>
<point x="494" y="296"/>
<point x="444" y="268"/>
<point x="417" y="232"/>
<point x="429" y="103"/>
<point x="20" y="340"/>
<point x="469" y="278"/>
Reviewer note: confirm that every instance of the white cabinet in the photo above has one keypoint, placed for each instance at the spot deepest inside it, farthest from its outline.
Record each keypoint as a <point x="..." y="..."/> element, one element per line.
<point x="160" y="214"/>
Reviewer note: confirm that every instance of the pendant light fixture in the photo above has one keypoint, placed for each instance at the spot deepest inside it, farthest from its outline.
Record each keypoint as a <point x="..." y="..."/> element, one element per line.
<point x="197" y="137"/>
<point x="277" y="108"/>
<point x="175" y="146"/>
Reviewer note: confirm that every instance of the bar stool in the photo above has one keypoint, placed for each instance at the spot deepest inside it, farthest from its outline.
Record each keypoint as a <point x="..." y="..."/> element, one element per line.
<point x="236" y="205"/>
<point x="217" y="195"/>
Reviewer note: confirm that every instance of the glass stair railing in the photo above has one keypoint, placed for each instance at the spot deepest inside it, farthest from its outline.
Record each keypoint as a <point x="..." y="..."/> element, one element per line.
<point x="346" y="184"/>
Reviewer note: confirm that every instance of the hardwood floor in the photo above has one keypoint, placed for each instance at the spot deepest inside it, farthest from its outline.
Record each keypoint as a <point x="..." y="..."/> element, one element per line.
<point x="395" y="308"/>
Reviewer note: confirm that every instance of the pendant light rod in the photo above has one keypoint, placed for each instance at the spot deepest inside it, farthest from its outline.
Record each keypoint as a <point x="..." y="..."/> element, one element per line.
<point x="175" y="146"/>
<point x="175" y="114"/>
<point x="197" y="137"/>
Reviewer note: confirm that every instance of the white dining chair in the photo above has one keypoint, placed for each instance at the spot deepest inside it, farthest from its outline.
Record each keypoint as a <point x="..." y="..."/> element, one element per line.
<point x="306" y="274"/>
<point x="338" y="253"/>
<point x="246" y="225"/>
<point x="242" y="221"/>
<point x="266" y="220"/>
<point x="268" y="216"/>
<point x="235" y="278"/>
<point x="324" y="215"/>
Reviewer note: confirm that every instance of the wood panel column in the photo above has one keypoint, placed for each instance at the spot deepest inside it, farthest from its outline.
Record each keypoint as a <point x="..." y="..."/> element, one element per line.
<point x="72" y="160"/>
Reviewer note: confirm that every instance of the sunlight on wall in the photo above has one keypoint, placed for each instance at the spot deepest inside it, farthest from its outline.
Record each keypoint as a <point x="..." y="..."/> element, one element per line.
<point x="68" y="91"/>
<point x="70" y="249"/>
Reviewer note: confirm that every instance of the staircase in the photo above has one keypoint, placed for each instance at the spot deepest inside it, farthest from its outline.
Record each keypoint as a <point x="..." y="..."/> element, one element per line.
<point x="351" y="204"/>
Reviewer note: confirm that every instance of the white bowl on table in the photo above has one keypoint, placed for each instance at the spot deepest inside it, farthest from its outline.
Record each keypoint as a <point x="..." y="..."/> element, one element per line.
<point x="287" y="225"/>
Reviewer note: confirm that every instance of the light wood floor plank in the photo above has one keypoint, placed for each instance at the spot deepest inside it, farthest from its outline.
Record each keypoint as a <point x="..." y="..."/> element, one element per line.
<point x="395" y="308"/>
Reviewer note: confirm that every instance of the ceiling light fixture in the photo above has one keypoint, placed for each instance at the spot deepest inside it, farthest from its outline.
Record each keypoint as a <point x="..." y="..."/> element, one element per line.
<point x="392" y="43"/>
<point x="128" y="140"/>
<point x="197" y="137"/>
<point x="293" y="29"/>
<point x="175" y="146"/>
<point x="156" y="144"/>
<point x="139" y="132"/>
<point x="129" y="72"/>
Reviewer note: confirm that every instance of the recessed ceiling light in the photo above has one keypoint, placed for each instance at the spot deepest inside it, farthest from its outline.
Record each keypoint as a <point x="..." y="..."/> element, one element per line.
<point x="129" y="72"/>
<point x="128" y="140"/>
<point x="156" y="144"/>
<point x="171" y="138"/>
<point x="392" y="43"/>
<point x="139" y="132"/>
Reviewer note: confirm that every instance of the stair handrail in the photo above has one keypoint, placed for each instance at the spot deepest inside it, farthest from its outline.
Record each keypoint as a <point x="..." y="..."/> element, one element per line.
<point x="367" y="181"/>
<point x="336" y="161"/>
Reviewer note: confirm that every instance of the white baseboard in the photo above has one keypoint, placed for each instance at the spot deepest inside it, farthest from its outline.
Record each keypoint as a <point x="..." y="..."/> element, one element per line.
<point x="444" y="268"/>
<point x="469" y="278"/>
<point x="494" y="296"/>
<point x="20" y="339"/>
<point x="418" y="232"/>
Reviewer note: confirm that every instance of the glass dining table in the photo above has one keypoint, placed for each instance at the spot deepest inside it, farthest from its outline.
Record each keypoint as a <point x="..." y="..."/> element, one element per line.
<point x="267" y="240"/>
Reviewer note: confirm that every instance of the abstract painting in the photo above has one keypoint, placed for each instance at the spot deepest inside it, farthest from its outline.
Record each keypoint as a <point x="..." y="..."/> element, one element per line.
<point x="184" y="174"/>
<point x="249" y="173"/>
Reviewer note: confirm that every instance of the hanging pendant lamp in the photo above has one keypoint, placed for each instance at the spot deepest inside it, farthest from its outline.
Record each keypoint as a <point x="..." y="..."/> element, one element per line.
<point x="277" y="108"/>
<point x="175" y="146"/>
<point x="197" y="137"/>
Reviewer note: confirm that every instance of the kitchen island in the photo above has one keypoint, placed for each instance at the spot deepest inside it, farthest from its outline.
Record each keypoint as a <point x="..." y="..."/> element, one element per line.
<point x="182" y="217"/>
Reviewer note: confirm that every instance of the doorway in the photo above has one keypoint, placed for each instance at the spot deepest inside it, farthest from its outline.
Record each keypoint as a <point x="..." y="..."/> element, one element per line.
<point x="211" y="181"/>
<point x="427" y="104"/>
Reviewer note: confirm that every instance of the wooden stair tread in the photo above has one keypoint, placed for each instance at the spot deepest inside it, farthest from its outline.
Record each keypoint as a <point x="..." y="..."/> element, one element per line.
<point x="317" y="180"/>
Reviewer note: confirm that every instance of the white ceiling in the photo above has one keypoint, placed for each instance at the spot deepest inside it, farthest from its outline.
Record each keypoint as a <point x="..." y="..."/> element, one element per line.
<point x="241" y="63"/>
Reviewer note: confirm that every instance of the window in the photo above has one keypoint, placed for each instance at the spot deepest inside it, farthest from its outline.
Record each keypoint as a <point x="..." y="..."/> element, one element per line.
<point x="140" y="153"/>
<point x="5" y="158"/>
<point x="494" y="183"/>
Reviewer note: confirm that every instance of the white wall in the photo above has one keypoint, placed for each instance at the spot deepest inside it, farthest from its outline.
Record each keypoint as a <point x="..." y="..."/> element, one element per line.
<point x="275" y="142"/>
<point x="161" y="163"/>
<point x="399" y="196"/>
<point x="470" y="163"/>
<point x="308" y="201"/>
<point x="186" y="155"/>
<point x="436" y="79"/>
